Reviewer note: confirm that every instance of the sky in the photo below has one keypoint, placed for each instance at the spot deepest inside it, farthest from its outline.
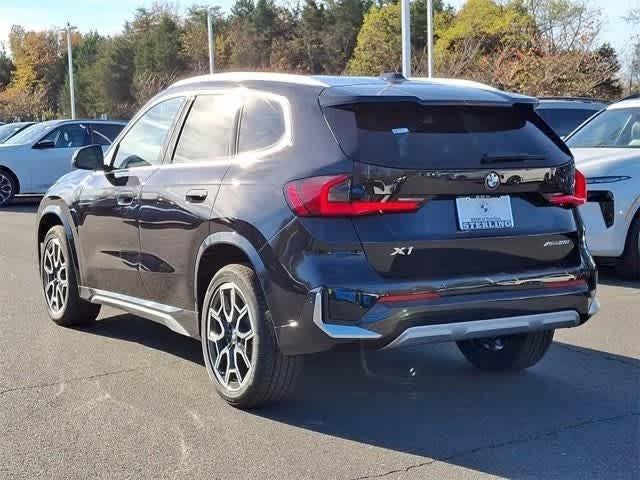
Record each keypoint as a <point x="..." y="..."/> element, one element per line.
<point x="108" y="16"/>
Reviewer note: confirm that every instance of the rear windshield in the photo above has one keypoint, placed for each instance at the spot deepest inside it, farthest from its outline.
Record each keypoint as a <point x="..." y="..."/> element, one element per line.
<point x="564" y="121"/>
<point x="411" y="135"/>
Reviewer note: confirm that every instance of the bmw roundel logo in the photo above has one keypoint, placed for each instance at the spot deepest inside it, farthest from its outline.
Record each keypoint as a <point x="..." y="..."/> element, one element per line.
<point x="492" y="181"/>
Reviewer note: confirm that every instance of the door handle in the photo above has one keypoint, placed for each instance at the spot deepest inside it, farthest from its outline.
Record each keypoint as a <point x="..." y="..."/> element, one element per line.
<point x="125" y="198"/>
<point x="196" y="195"/>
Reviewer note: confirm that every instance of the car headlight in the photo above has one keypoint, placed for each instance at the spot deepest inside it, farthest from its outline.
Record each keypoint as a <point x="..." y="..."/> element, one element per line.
<point x="607" y="179"/>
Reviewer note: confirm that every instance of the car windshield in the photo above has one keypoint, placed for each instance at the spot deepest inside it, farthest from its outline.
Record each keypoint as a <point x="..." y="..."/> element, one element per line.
<point x="411" y="135"/>
<point x="31" y="134"/>
<point x="617" y="128"/>
<point x="8" y="130"/>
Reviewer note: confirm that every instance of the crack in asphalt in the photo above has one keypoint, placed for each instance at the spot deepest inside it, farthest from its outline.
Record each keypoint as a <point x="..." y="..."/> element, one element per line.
<point x="629" y="363"/>
<point x="506" y="443"/>
<point x="79" y="379"/>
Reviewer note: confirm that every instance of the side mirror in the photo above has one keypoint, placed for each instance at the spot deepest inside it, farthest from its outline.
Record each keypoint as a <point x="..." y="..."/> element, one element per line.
<point x="88" y="158"/>
<point x="44" y="144"/>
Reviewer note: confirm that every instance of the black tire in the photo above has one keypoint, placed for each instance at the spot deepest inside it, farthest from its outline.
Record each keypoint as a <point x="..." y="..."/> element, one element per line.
<point x="517" y="353"/>
<point x="74" y="310"/>
<point x="628" y="265"/>
<point x="8" y="187"/>
<point x="272" y="375"/>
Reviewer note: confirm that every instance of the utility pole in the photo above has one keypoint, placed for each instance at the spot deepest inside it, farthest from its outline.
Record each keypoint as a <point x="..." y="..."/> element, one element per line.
<point x="430" y="37"/>
<point x="212" y="45"/>
<point x="405" y="15"/>
<point x="68" y="28"/>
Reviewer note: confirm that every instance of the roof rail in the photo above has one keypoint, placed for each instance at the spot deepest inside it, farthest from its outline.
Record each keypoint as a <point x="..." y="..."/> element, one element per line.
<point x="631" y="97"/>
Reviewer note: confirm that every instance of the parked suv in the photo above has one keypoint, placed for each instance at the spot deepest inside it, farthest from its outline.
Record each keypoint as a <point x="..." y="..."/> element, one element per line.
<point x="33" y="159"/>
<point x="274" y="216"/>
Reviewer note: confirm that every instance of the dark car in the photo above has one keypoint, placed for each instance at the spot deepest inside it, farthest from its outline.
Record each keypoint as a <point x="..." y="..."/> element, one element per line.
<point x="274" y="216"/>
<point x="565" y="114"/>
<point x="8" y="130"/>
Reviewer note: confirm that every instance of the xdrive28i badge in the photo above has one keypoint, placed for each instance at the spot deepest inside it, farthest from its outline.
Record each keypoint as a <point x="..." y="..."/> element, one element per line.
<point x="492" y="181"/>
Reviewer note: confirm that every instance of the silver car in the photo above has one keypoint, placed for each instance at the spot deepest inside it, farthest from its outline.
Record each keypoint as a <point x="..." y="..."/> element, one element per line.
<point x="607" y="151"/>
<point x="32" y="160"/>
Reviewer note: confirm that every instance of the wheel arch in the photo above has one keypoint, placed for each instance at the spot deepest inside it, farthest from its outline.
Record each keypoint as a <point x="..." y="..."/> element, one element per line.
<point x="10" y="172"/>
<point x="50" y="216"/>
<point x="221" y="249"/>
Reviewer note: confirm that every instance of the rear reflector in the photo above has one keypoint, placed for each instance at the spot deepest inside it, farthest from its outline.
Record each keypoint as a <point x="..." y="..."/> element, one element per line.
<point x="578" y="198"/>
<point x="566" y="283"/>
<point x="329" y="196"/>
<point x="409" y="297"/>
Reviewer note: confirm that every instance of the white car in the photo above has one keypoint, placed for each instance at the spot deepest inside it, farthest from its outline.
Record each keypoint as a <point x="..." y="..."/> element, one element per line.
<point x="607" y="151"/>
<point x="32" y="160"/>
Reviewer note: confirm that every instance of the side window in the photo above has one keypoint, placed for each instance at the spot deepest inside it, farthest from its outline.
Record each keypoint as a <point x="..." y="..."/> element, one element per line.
<point x="262" y="124"/>
<point x="208" y="131"/>
<point x="69" y="136"/>
<point x="105" y="133"/>
<point x="142" y="144"/>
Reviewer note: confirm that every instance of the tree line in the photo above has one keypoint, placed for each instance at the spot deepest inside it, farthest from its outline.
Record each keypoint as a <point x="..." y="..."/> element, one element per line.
<point x="537" y="47"/>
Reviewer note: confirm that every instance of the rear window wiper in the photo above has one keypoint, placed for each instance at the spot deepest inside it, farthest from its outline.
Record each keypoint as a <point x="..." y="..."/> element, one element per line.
<point x="518" y="157"/>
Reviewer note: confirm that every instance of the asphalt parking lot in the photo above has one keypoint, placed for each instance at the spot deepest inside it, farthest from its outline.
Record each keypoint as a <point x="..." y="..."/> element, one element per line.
<point x="126" y="398"/>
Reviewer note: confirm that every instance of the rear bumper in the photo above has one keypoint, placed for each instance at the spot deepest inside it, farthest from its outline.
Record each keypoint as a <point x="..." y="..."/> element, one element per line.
<point x="325" y="323"/>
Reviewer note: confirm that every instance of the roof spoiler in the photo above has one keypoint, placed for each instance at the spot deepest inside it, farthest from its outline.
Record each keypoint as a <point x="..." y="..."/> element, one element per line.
<point x="335" y="100"/>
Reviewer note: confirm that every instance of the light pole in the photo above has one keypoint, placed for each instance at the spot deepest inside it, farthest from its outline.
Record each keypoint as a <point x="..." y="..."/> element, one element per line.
<point x="430" y="37"/>
<point x="68" y="28"/>
<point x="212" y="46"/>
<point x="405" y="15"/>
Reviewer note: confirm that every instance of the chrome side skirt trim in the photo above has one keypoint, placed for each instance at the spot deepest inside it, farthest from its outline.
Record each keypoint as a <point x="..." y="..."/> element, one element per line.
<point x="156" y="312"/>
<point x="494" y="327"/>
<point x="349" y="332"/>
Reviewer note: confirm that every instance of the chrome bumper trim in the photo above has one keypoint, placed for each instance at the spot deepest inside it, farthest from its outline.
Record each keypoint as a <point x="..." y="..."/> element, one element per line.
<point x="334" y="330"/>
<point x="494" y="327"/>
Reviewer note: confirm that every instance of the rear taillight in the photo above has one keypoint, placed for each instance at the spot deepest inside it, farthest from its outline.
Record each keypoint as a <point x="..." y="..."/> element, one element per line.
<point x="579" y="196"/>
<point x="330" y="196"/>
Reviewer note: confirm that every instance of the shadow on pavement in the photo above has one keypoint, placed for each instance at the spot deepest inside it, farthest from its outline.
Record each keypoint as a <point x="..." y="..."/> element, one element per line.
<point x="441" y="408"/>
<point x="149" y="334"/>
<point x="429" y="402"/>
<point x="608" y="276"/>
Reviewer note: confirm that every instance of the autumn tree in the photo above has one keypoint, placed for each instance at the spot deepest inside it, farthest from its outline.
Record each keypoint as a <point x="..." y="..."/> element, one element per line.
<point x="6" y="68"/>
<point x="39" y="67"/>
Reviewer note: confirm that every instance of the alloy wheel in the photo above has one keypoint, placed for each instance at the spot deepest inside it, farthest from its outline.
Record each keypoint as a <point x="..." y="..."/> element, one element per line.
<point x="230" y="336"/>
<point x="494" y="344"/>
<point x="6" y="188"/>
<point x="55" y="279"/>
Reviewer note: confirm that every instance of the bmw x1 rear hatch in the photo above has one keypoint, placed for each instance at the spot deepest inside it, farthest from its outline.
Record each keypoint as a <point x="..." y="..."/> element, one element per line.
<point x="486" y="174"/>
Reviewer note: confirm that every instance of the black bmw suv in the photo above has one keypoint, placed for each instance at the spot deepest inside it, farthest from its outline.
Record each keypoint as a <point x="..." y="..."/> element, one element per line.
<point x="274" y="216"/>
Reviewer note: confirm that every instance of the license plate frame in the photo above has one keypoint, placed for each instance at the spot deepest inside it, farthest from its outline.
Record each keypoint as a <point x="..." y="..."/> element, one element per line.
<point x="481" y="212"/>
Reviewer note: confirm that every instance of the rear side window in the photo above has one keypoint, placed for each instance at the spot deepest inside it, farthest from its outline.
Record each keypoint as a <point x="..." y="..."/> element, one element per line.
<point x="105" y="133"/>
<point x="564" y="121"/>
<point x="208" y="131"/>
<point x="69" y="136"/>
<point x="262" y="124"/>
<point x="411" y="135"/>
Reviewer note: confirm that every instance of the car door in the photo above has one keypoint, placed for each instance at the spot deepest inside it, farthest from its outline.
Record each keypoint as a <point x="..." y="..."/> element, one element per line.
<point x="108" y="203"/>
<point x="51" y="155"/>
<point x="176" y="202"/>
